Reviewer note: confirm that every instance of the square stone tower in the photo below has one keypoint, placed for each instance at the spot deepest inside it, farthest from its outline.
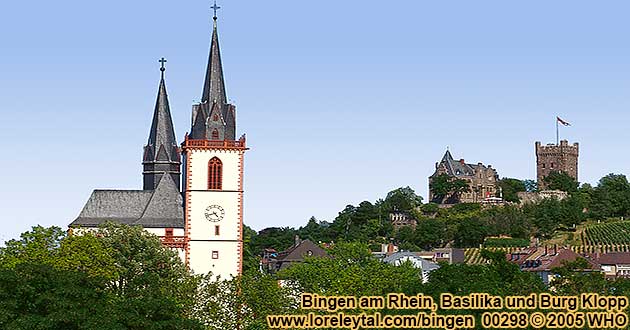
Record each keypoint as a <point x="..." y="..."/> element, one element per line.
<point x="556" y="158"/>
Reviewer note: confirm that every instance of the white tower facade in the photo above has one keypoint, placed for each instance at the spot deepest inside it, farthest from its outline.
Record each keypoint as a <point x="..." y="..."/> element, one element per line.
<point x="214" y="206"/>
<point x="213" y="178"/>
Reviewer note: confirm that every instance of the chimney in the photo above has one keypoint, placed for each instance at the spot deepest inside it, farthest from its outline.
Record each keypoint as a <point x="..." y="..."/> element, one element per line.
<point x="297" y="240"/>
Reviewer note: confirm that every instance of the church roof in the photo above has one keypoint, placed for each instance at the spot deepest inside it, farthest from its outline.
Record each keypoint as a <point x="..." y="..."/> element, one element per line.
<point x="162" y="144"/>
<point x="213" y="95"/>
<point x="214" y="85"/>
<point x="159" y="208"/>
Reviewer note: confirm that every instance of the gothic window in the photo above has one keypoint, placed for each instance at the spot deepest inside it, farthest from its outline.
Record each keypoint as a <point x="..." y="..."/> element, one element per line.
<point x="215" y="117"/>
<point x="216" y="230"/>
<point x="215" y="134"/>
<point x="215" y="174"/>
<point x="543" y="166"/>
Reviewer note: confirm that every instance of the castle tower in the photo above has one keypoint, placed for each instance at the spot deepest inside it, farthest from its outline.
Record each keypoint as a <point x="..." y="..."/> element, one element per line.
<point x="556" y="158"/>
<point x="161" y="154"/>
<point x="213" y="178"/>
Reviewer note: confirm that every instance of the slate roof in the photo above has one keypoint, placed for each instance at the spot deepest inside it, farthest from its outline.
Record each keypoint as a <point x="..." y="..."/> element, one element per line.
<point x="159" y="208"/>
<point x="213" y="92"/>
<point x="162" y="144"/>
<point x="454" y="167"/>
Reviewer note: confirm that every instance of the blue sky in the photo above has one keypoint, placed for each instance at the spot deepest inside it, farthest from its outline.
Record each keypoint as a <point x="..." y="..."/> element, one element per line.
<point x="341" y="101"/>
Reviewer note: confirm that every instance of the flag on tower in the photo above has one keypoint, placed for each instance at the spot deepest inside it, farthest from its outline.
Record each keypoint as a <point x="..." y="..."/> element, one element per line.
<point x="562" y="122"/>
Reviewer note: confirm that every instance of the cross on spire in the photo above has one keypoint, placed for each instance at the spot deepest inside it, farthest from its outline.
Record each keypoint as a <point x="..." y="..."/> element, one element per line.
<point x="215" y="8"/>
<point x="162" y="62"/>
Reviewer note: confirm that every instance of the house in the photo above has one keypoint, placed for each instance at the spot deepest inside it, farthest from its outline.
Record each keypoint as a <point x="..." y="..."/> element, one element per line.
<point x="398" y="258"/>
<point x="274" y="262"/>
<point x="541" y="260"/>
<point x="615" y="264"/>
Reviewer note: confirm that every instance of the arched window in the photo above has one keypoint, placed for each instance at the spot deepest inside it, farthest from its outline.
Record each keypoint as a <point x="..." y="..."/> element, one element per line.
<point x="215" y="173"/>
<point x="215" y="134"/>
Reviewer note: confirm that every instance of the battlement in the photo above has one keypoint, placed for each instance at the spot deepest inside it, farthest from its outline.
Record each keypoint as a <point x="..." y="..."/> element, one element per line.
<point x="563" y="147"/>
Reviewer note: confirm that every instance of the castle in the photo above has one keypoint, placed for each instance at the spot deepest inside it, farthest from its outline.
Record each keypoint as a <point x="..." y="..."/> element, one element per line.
<point x="481" y="180"/>
<point x="202" y="217"/>
<point x="561" y="158"/>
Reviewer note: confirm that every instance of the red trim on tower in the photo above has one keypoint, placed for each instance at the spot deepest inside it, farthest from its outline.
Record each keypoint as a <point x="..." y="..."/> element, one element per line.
<point x="187" y="202"/>
<point x="240" y="209"/>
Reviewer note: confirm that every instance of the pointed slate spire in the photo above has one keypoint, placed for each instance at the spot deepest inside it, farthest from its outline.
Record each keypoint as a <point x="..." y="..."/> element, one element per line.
<point x="203" y="125"/>
<point x="161" y="154"/>
<point x="214" y="86"/>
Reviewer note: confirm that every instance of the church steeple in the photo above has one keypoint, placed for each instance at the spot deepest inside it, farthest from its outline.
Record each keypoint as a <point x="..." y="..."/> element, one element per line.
<point x="214" y="85"/>
<point x="161" y="154"/>
<point x="214" y="118"/>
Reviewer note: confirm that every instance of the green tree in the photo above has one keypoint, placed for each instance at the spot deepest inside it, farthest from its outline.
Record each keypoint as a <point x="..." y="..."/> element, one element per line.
<point x="510" y="189"/>
<point x="576" y="277"/>
<point x="444" y="185"/>
<point x="402" y="199"/>
<point x="561" y="181"/>
<point x="498" y="277"/>
<point x="470" y="232"/>
<point x="611" y="197"/>
<point x="125" y="276"/>
<point x="352" y="270"/>
<point x="38" y="246"/>
<point x="38" y="296"/>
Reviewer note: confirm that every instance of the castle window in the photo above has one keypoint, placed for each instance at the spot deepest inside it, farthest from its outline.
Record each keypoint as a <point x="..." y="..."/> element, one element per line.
<point x="216" y="230"/>
<point x="543" y="166"/>
<point x="215" y="134"/>
<point x="551" y="165"/>
<point x="215" y="172"/>
<point x="215" y="254"/>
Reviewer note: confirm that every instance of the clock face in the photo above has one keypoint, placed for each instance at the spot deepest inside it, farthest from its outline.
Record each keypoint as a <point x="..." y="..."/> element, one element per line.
<point x="214" y="213"/>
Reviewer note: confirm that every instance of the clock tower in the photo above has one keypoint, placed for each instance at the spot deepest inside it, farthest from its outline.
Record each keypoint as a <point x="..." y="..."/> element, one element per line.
<point x="213" y="178"/>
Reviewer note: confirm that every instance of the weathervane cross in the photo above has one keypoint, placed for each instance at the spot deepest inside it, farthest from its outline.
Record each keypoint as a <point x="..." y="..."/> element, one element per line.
<point x="215" y="8"/>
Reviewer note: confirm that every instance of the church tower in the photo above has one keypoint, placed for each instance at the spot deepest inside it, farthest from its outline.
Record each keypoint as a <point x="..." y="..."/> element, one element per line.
<point x="213" y="177"/>
<point x="161" y="154"/>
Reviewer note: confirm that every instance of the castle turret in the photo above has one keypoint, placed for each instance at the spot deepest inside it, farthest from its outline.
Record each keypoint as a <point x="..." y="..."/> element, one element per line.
<point x="562" y="158"/>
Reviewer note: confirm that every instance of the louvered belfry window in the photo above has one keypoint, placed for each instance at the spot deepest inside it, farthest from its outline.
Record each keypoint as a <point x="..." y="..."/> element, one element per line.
<point x="215" y="173"/>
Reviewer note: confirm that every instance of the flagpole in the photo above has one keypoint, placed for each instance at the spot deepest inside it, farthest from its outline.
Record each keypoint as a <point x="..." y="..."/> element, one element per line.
<point x="557" y="133"/>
